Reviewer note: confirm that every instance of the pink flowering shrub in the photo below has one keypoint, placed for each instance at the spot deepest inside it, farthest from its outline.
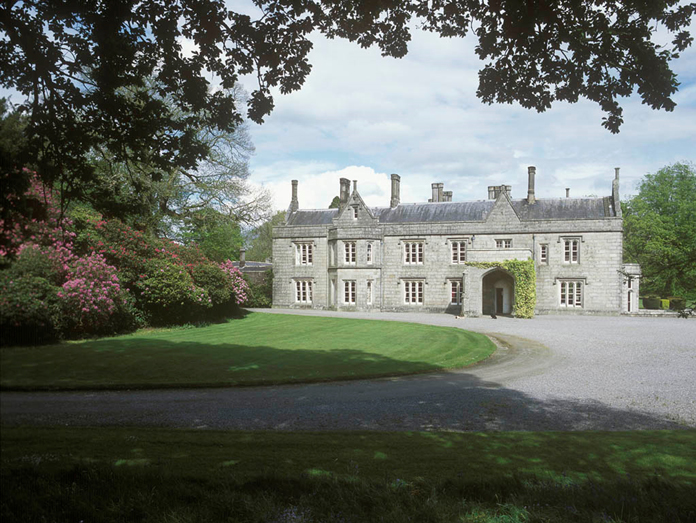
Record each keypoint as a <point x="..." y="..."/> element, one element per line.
<point x="240" y="287"/>
<point x="91" y="296"/>
<point x="84" y="275"/>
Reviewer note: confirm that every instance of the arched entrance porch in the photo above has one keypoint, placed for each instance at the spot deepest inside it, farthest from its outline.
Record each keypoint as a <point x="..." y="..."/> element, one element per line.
<point x="497" y="292"/>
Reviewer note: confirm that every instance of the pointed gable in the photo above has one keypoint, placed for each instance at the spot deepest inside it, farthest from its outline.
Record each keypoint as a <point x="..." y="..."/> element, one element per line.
<point x="354" y="212"/>
<point x="502" y="211"/>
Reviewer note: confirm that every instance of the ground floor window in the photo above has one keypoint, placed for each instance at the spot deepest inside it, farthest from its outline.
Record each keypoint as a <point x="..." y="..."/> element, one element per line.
<point x="349" y="292"/>
<point x="413" y="292"/>
<point x="303" y="291"/>
<point x="455" y="292"/>
<point x="369" y="292"/>
<point x="571" y="294"/>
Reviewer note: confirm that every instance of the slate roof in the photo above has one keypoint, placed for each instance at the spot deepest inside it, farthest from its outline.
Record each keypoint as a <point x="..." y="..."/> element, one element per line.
<point x="473" y="211"/>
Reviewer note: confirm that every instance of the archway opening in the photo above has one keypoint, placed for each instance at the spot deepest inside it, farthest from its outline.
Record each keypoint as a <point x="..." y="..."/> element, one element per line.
<point x="498" y="293"/>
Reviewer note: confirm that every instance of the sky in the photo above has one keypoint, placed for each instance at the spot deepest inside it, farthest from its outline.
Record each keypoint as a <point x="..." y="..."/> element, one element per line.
<point x="363" y="116"/>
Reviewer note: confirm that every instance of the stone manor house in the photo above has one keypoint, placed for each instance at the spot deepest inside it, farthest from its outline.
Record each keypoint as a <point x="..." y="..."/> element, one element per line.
<point x="413" y="256"/>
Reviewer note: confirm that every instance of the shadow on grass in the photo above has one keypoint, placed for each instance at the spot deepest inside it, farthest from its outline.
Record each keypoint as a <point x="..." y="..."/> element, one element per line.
<point x="119" y="364"/>
<point x="457" y="401"/>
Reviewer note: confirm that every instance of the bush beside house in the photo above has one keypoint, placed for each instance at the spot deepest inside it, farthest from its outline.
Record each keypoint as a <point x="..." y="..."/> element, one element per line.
<point x="75" y="274"/>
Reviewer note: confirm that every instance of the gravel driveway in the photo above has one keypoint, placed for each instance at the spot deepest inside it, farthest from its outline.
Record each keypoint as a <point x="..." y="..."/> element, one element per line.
<point x="550" y="373"/>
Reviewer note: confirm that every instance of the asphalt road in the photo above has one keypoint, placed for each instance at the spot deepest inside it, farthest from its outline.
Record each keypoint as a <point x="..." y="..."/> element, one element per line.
<point x="549" y="373"/>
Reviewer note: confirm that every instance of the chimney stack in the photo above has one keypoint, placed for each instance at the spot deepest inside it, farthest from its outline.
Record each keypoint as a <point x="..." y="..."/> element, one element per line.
<point x="294" y="204"/>
<point x="567" y="192"/>
<point x="355" y="185"/>
<point x="440" y="190"/>
<point x="615" y="193"/>
<point x="447" y="196"/>
<point x="345" y="192"/>
<point x="395" y="190"/>
<point x="435" y="189"/>
<point x="531" y="173"/>
<point x="242" y="258"/>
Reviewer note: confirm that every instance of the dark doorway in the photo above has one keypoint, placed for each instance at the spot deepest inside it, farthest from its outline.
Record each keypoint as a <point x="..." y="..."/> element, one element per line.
<point x="498" y="301"/>
<point x="498" y="292"/>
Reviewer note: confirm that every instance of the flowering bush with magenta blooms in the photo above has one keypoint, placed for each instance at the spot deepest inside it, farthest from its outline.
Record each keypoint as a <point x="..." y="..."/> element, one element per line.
<point x="239" y="285"/>
<point x="91" y="296"/>
<point x="84" y="275"/>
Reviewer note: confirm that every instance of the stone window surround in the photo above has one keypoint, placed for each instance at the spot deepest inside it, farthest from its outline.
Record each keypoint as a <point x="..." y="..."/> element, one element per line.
<point x="369" y="292"/>
<point x="349" y="292"/>
<point x="349" y="252"/>
<point x="574" y="286"/>
<point x="503" y="243"/>
<point x="369" y="256"/>
<point x="573" y="256"/>
<point x="304" y="252"/>
<point x="414" y="290"/>
<point x="413" y="248"/>
<point x="304" y="290"/>
<point x="458" y="249"/>
<point x="455" y="291"/>
<point x="544" y="253"/>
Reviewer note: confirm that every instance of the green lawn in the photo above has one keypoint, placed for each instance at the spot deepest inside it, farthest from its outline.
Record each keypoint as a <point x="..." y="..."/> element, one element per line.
<point x="255" y="350"/>
<point x="122" y="474"/>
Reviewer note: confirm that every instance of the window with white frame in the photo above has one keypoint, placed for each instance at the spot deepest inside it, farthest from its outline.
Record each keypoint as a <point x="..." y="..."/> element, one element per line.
<point x="455" y="292"/>
<point x="571" y="250"/>
<point x="458" y="251"/>
<point x="543" y="253"/>
<point x="413" y="292"/>
<point x="369" y="292"/>
<point x="504" y="243"/>
<point x="304" y="253"/>
<point x="349" y="292"/>
<point x="303" y="291"/>
<point x="349" y="250"/>
<point x="369" y="253"/>
<point x="571" y="294"/>
<point x="413" y="253"/>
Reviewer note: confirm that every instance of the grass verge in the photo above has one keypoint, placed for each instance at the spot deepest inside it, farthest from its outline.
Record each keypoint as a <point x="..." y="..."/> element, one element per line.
<point x="259" y="349"/>
<point x="121" y="474"/>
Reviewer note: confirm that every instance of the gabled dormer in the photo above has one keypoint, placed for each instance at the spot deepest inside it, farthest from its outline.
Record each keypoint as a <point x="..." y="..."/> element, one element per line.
<point x="352" y="210"/>
<point x="502" y="211"/>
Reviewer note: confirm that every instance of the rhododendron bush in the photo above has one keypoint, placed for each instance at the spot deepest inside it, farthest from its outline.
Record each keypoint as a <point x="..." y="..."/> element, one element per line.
<point x="65" y="278"/>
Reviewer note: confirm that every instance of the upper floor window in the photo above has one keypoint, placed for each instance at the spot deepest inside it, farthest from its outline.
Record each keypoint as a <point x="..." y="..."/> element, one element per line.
<point x="413" y="292"/>
<point x="355" y="213"/>
<point x="349" y="257"/>
<point x="458" y="251"/>
<point x="455" y="292"/>
<point x="369" y="253"/>
<point x="303" y="291"/>
<point x="543" y="253"/>
<point x="571" y="294"/>
<point x="571" y="250"/>
<point x="413" y="253"/>
<point x="349" y="292"/>
<point x="503" y="244"/>
<point x="304" y="253"/>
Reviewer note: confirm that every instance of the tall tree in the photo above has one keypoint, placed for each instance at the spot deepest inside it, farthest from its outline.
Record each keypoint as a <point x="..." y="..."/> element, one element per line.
<point x="74" y="61"/>
<point x="162" y="200"/>
<point x="261" y="239"/>
<point x="660" y="231"/>
<point x="335" y="203"/>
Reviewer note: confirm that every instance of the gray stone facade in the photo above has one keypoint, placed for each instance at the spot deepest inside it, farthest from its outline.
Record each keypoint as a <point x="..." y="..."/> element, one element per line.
<point x="408" y="257"/>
